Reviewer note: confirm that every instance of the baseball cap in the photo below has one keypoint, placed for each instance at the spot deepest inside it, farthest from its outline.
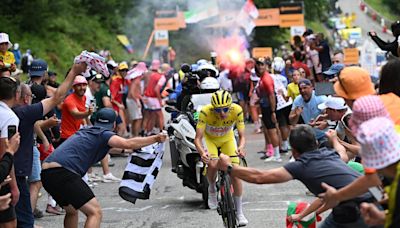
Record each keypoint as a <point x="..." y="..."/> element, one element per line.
<point x="334" y="69"/>
<point x="105" y="118"/>
<point x="336" y="103"/>
<point x="380" y="144"/>
<point x="354" y="82"/>
<point x="4" y="38"/>
<point x="79" y="80"/>
<point x="123" y="66"/>
<point x="37" y="68"/>
<point x="51" y="73"/>
<point x="304" y="81"/>
<point x="260" y="60"/>
<point x="112" y="63"/>
<point x="39" y="93"/>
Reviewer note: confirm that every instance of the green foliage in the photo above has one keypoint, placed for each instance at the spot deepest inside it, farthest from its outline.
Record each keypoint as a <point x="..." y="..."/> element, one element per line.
<point x="387" y="8"/>
<point x="59" y="30"/>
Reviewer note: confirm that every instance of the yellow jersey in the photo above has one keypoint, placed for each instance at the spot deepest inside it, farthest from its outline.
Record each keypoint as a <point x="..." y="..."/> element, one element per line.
<point x="8" y="57"/>
<point x="217" y="128"/>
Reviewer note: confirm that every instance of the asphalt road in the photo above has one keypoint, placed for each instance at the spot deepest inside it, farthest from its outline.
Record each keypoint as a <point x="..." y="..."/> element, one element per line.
<point x="363" y="21"/>
<point x="172" y="205"/>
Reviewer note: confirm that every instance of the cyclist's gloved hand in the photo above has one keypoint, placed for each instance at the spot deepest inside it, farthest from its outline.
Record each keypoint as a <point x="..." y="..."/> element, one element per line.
<point x="224" y="162"/>
<point x="205" y="157"/>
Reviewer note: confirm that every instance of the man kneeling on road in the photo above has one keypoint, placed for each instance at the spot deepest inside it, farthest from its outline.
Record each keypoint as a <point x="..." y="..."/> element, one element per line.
<point x="63" y="170"/>
<point x="312" y="167"/>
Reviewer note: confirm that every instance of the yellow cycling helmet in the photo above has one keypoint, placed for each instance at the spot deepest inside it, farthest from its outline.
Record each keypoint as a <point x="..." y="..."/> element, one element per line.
<point x="221" y="99"/>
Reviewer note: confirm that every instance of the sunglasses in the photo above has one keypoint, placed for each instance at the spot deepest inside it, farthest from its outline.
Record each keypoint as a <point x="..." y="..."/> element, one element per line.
<point x="219" y="110"/>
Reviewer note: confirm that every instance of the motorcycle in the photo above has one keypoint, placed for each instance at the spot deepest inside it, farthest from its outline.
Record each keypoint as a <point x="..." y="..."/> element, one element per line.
<point x="186" y="161"/>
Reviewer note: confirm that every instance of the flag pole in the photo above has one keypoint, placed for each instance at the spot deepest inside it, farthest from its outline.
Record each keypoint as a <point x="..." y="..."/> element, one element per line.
<point x="148" y="44"/>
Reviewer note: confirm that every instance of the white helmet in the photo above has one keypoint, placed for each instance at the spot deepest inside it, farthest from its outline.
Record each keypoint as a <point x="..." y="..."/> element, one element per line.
<point x="210" y="83"/>
<point x="278" y="64"/>
<point x="208" y="66"/>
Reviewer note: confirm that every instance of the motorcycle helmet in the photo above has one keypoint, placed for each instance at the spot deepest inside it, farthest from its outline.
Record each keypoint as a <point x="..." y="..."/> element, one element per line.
<point x="210" y="68"/>
<point x="278" y="64"/>
<point x="221" y="99"/>
<point x="209" y="83"/>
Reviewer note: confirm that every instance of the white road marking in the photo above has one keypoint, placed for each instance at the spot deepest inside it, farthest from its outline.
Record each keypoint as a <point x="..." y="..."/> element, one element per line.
<point x="165" y="207"/>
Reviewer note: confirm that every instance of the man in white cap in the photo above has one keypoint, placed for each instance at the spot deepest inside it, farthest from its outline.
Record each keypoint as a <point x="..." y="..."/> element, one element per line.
<point x="335" y="109"/>
<point x="7" y="59"/>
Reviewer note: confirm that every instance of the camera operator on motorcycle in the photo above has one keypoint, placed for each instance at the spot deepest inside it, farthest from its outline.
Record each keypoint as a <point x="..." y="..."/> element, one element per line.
<point x="215" y="129"/>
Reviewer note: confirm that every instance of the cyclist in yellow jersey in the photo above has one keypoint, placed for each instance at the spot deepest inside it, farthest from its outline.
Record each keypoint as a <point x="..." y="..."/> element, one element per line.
<point x="215" y="131"/>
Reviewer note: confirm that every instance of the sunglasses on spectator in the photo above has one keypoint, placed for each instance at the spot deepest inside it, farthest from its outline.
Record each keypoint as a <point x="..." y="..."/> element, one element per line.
<point x="219" y="110"/>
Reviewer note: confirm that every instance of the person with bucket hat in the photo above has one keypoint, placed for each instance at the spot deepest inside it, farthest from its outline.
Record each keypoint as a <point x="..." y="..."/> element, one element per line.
<point x="353" y="82"/>
<point x="63" y="170"/>
<point x="7" y="59"/>
<point x="380" y="145"/>
<point x="312" y="166"/>
<point x="364" y="109"/>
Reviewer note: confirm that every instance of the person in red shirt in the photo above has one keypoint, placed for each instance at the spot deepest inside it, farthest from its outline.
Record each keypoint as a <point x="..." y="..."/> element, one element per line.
<point x="267" y="96"/>
<point x="73" y="110"/>
<point x="152" y="98"/>
<point x="117" y="91"/>
<point x="298" y="64"/>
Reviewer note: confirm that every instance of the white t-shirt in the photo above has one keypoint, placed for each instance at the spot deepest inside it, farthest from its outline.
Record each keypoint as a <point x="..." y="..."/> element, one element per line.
<point x="7" y="117"/>
<point x="224" y="81"/>
<point x="279" y="84"/>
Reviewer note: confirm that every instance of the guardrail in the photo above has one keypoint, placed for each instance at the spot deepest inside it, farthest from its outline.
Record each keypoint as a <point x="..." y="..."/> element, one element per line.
<point x="374" y="15"/>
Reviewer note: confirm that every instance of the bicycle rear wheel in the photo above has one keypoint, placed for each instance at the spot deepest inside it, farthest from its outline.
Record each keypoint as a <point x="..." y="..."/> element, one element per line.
<point x="230" y="219"/>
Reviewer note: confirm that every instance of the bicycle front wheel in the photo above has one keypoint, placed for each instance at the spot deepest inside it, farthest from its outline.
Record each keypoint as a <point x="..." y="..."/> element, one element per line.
<point x="229" y="204"/>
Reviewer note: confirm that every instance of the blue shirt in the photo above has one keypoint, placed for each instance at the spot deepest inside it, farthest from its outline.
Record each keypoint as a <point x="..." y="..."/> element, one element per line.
<point x="83" y="149"/>
<point x="23" y="158"/>
<point x="310" y="110"/>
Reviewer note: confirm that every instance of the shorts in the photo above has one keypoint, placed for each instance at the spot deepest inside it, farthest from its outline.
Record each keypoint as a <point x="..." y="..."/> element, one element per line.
<point x="266" y="117"/>
<point x="254" y="99"/>
<point x="8" y="214"/>
<point x="282" y="116"/>
<point x="240" y="96"/>
<point x="134" y="109"/>
<point x="227" y="145"/>
<point x="36" y="166"/>
<point x="151" y="103"/>
<point x="66" y="187"/>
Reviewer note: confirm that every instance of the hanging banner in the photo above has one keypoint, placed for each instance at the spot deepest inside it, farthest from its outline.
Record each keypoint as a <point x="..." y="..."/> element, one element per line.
<point x="161" y="38"/>
<point x="268" y="17"/>
<point x="264" y="52"/>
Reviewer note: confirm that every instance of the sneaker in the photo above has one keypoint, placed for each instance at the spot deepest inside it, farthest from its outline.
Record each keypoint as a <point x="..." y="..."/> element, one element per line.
<point x="110" y="178"/>
<point x="242" y="221"/>
<point x="54" y="210"/>
<point x="212" y="200"/>
<point x="265" y="156"/>
<point x="37" y="213"/>
<point x="274" y="159"/>
<point x="93" y="177"/>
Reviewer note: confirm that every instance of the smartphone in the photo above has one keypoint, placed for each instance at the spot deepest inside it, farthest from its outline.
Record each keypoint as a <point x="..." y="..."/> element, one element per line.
<point x="12" y="130"/>
<point x="376" y="193"/>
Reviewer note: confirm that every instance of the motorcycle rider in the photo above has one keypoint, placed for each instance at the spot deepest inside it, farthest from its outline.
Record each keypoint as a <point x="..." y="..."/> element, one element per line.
<point x="215" y="126"/>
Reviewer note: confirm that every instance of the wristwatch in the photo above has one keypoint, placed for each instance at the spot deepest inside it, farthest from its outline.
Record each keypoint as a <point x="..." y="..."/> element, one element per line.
<point x="229" y="169"/>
